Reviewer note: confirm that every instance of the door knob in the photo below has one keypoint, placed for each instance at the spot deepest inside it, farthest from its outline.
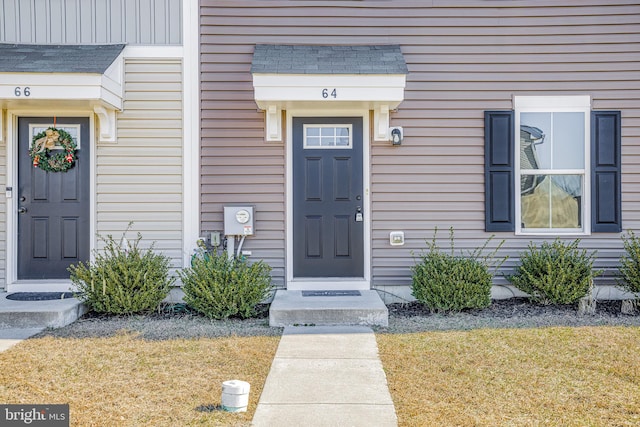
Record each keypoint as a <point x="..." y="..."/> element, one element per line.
<point x="22" y="210"/>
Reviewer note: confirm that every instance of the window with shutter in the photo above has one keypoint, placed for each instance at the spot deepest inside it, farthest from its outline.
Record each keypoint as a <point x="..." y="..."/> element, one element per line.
<point x="552" y="167"/>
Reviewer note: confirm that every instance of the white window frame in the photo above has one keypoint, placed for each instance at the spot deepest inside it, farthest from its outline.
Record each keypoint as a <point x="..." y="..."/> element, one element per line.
<point x="555" y="104"/>
<point x="328" y="147"/>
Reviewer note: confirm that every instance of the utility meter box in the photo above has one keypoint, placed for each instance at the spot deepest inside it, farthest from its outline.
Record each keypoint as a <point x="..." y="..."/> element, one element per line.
<point x="238" y="220"/>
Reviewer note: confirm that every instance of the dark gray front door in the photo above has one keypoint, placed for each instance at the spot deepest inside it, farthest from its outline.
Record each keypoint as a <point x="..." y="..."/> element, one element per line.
<point x="53" y="218"/>
<point x="328" y="214"/>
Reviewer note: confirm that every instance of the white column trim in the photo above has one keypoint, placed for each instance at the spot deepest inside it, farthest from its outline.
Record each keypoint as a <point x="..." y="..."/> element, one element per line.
<point x="191" y="127"/>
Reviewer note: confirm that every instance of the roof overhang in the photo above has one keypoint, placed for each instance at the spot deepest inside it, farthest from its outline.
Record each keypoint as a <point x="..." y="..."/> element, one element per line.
<point x="98" y="90"/>
<point x="328" y="77"/>
<point x="285" y="90"/>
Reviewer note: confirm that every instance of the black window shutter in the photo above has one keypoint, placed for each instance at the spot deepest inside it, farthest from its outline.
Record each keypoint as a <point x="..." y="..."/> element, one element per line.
<point x="606" y="192"/>
<point x="499" y="171"/>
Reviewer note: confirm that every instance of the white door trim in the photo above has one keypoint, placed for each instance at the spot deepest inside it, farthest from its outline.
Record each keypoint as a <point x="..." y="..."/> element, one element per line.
<point x="361" y="283"/>
<point x="12" y="283"/>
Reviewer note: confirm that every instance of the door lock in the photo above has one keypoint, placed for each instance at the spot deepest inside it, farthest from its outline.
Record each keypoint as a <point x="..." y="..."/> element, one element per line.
<point x="359" y="217"/>
<point x="22" y="210"/>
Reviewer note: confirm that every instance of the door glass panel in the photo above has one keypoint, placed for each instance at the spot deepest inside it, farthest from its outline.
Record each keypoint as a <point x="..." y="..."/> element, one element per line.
<point x="327" y="136"/>
<point x="73" y="130"/>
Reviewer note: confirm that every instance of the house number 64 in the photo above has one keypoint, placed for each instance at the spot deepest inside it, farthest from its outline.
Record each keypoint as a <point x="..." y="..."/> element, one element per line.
<point x="326" y="93"/>
<point x="19" y="92"/>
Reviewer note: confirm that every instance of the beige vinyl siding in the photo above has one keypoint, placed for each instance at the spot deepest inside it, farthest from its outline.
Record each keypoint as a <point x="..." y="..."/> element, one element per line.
<point x="464" y="57"/>
<point x="139" y="178"/>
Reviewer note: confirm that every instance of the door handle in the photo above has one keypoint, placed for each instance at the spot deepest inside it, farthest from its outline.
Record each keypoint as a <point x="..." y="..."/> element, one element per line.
<point x="22" y="210"/>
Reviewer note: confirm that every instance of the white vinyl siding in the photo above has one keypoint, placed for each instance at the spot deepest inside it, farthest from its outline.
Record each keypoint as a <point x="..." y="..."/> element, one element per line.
<point x="139" y="178"/>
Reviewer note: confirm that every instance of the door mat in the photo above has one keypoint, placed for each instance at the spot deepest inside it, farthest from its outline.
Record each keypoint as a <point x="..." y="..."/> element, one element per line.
<point x="331" y="293"/>
<point x="39" y="296"/>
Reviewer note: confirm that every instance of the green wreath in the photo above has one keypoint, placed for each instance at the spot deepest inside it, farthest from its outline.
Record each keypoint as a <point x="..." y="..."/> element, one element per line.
<point x="46" y="155"/>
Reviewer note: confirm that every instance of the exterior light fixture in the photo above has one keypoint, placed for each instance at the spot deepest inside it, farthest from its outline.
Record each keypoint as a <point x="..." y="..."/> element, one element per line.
<point x="396" y="135"/>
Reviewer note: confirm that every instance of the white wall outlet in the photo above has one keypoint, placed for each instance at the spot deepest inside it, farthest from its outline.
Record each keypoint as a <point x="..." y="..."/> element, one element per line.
<point x="396" y="238"/>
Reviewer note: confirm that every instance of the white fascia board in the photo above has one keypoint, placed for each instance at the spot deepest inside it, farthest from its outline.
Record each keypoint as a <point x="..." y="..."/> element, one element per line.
<point x="285" y="89"/>
<point x="67" y="86"/>
<point x="552" y="102"/>
<point x="153" y="51"/>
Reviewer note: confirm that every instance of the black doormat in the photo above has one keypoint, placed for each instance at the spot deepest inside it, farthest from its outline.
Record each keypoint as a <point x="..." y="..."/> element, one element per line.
<point x="39" y="296"/>
<point x="331" y="293"/>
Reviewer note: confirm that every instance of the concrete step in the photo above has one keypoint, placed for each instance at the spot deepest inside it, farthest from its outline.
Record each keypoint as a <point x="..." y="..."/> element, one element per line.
<point x="39" y="314"/>
<point x="327" y="308"/>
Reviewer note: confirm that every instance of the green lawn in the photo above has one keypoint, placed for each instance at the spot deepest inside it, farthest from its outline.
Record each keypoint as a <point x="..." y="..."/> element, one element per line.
<point x="586" y="376"/>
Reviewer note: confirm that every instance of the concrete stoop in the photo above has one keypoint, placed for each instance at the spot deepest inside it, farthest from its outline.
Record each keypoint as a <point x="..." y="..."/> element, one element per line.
<point x="299" y="308"/>
<point x="39" y="314"/>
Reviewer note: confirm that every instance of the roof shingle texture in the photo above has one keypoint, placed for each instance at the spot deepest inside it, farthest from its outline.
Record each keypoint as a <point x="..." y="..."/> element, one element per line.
<point x="318" y="59"/>
<point x="33" y="58"/>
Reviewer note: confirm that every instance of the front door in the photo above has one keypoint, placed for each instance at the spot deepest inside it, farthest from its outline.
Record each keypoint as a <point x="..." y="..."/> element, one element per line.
<point x="53" y="207"/>
<point x="328" y="208"/>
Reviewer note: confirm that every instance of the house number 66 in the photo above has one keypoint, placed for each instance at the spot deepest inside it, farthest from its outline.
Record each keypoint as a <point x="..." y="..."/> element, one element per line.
<point x="19" y="92"/>
<point x="326" y="93"/>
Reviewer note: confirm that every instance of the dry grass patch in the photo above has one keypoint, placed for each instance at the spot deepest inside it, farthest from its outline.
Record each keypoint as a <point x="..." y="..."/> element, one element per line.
<point x="127" y="381"/>
<point x="515" y="377"/>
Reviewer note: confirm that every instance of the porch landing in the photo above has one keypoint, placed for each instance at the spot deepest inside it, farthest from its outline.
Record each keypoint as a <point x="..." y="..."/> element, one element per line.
<point x="293" y="308"/>
<point x="38" y="314"/>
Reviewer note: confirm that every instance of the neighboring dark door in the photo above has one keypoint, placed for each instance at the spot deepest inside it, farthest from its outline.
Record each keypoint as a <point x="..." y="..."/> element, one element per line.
<point x="328" y="209"/>
<point x="53" y="218"/>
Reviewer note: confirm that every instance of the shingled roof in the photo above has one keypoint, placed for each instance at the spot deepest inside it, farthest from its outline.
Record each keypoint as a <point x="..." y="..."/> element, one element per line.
<point x="318" y="59"/>
<point x="33" y="58"/>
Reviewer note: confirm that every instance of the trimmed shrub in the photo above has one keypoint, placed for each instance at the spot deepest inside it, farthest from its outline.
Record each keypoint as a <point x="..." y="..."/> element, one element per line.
<point x="220" y="287"/>
<point x="555" y="273"/>
<point x="628" y="277"/>
<point x="123" y="279"/>
<point x="446" y="282"/>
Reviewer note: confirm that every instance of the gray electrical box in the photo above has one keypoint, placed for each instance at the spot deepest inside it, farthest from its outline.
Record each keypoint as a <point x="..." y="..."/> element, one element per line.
<point x="238" y="220"/>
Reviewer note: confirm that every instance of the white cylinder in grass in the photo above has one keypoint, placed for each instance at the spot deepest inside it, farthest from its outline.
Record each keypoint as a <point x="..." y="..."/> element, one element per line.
<point x="235" y="396"/>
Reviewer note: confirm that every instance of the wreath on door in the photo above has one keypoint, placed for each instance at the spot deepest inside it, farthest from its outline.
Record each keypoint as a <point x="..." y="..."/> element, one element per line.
<point x="53" y="150"/>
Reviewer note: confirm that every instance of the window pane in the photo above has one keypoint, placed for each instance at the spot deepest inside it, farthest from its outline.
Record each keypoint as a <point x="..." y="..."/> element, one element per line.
<point x="342" y="132"/>
<point x="568" y="140"/>
<point x="342" y="141"/>
<point x="328" y="141"/>
<point x="535" y="152"/>
<point x="313" y="131"/>
<point x="552" y="140"/>
<point x="328" y="131"/>
<point x="555" y="201"/>
<point x="313" y="141"/>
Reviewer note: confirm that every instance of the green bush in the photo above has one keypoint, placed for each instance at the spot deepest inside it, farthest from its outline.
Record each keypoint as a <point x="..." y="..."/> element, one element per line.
<point x="446" y="282"/>
<point x="123" y="279"/>
<point x="555" y="273"/>
<point x="629" y="271"/>
<point x="220" y="287"/>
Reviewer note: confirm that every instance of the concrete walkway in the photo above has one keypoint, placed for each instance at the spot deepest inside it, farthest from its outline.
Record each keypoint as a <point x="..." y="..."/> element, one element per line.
<point x="12" y="336"/>
<point x="326" y="376"/>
